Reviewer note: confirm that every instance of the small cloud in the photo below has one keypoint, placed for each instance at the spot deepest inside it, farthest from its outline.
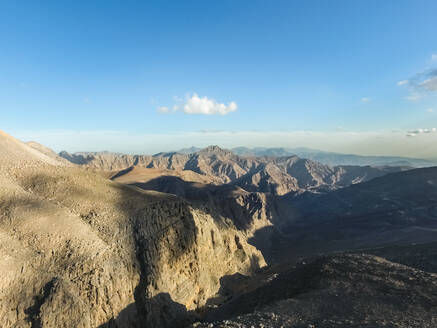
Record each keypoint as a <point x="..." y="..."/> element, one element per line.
<point x="421" y="84"/>
<point x="200" y="105"/>
<point x="434" y="57"/>
<point x="429" y="84"/>
<point x="86" y="100"/>
<point x="430" y="110"/>
<point x="413" y="133"/>
<point x="365" y="99"/>
<point x="424" y="81"/>
<point x="205" y="106"/>
<point x="163" y="110"/>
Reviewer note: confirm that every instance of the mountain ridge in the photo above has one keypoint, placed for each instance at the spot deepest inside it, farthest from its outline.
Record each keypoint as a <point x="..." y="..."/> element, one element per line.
<point x="326" y="157"/>
<point x="246" y="171"/>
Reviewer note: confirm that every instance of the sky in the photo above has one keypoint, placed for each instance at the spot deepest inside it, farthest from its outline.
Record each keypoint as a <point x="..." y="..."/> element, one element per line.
<point x="149" y="76"/>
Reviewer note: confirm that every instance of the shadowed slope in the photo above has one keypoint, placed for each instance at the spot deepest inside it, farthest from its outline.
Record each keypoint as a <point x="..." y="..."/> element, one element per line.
<point x="338" y="291"/>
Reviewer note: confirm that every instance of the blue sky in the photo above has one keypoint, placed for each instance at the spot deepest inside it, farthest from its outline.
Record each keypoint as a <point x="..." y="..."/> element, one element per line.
<point x="146" y="76"/>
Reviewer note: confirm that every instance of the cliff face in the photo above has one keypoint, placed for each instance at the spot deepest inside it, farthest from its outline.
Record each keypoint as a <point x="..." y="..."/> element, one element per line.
<point x="77" y="250"/>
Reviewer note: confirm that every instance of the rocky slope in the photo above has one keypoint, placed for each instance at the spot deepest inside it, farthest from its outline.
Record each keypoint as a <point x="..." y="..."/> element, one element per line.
<point x="79" y="250"/>
<point x="48" y="152"/>
<point x="168" y="238"/>
<point x="395" y="209"/>
<point x="20" y="154"/>
<point x="354" y="290"/>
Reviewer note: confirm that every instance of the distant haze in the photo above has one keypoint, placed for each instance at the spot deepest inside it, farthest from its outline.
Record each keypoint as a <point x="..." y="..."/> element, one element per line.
<point x="398" y="143"/>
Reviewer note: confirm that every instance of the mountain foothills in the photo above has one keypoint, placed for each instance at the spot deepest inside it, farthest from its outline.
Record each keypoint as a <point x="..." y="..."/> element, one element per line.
<point x="214" y="238"/>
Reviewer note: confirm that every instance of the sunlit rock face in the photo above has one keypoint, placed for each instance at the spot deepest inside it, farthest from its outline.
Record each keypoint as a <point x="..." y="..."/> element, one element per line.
<point x="79" y="250"/>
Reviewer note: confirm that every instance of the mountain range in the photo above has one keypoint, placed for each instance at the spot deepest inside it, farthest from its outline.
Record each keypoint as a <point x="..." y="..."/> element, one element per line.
<point x="212" y="238"/>
<point x="324" y="157"/>
<point x="274" y="174"/>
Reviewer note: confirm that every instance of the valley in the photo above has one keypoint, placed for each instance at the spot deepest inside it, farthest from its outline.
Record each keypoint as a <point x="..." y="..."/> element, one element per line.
<point x="212" y="239"/>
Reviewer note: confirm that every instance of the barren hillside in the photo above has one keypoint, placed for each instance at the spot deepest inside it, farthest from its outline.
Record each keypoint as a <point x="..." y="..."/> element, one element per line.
<point x="78" y="250"/>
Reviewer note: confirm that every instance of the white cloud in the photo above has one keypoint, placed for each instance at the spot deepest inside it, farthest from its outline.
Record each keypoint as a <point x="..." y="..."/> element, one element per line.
<point x="200" y="105"/>
<point x="430" y="110"/>
<point x="430" y="84"/>
<point x="163" y="110"/>
<point x="434" y="57"/>
<point x="205" y="106"/>
<point x="365" y="99"/>
<point x="403" y="82"/>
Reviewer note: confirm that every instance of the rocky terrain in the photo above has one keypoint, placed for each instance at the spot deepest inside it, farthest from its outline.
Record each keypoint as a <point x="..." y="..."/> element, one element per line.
<point x="172" y="240"/>
<point x="276" y="175"/>
<point x="353" y="290"/>
<point x="397" y="208"/>
<point x="79" y="250"/>
<point x="294" y="207"/>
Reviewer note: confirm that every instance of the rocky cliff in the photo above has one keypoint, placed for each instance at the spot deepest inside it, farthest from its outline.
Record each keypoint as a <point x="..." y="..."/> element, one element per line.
<point x="78" y="250"/>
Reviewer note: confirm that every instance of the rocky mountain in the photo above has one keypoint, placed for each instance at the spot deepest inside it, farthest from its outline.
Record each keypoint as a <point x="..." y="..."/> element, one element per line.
<point x="397" y="208"/>
<point x="114" y="240"/>
<point x="335" y="159"/>
<point x="324" y="157"/>
<point x="307" y="207"/>
<point x="79" y="250"/>
<point x="21" y="154"/>
<point x="48" y="152"/>
<point x="277" y="175"/>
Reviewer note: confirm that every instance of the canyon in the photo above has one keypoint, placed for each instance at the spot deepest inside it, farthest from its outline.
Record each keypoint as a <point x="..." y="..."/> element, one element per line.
<point x="211" y="238"/>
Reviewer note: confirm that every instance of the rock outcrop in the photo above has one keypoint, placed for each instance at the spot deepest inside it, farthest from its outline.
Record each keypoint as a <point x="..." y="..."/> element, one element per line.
<point x="79" y="250"/>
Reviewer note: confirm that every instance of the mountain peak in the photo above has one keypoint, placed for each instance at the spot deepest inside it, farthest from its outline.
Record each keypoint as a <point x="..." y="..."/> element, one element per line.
<point x="214" y="149"/>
